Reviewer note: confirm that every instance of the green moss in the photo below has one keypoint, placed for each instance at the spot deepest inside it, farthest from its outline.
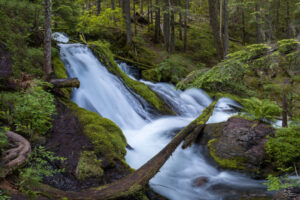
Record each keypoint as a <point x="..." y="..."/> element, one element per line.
<point x="89" y="166"/>
<point x="105" y="56"/>
<point x="60" y="73"/>
<point x="234" y="163"/>
<point x="107" y="138"/>
<point x="287" y="45"/>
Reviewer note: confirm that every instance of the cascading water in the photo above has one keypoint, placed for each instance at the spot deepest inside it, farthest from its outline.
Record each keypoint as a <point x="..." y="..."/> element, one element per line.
<point x="104" y="93"/>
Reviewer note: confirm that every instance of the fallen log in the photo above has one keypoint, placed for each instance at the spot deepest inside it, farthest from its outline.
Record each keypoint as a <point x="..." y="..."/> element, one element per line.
<point x="15" y="156"/>
<point x="137" y="180"/>
<point x="64" y="83"/>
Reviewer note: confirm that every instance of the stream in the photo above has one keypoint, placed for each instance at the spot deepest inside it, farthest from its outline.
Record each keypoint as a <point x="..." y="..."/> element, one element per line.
<point x="148" y="132"/>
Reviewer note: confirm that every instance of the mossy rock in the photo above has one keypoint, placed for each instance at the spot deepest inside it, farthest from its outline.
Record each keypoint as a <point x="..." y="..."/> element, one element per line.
<point x="89" y="166"/>
<point x="60" y="73"/>
<point x="107" y="138"/>
<point x="106" y="57"/>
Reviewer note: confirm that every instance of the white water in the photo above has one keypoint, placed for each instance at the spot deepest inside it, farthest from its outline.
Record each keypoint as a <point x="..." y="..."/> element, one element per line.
<point x="102" y="92"/>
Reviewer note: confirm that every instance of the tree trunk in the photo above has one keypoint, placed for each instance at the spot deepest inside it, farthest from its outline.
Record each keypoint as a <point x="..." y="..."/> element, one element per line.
<point x="180" y="25"/>
<point x="243" y="26"/>
<point x="141" y="7"/>
<point x="134" y="17"/>
<point x="126" y="11"/>
<point x="277" y="16"/>
<point x="151" y="12"/>
<point x="288" y="20"/>
<point x="157" y="22"/>
<point x="226" y="32"/>
<point x="221" y="18"/>
<point x="113" y="4"/>
<point x="87" y="5"/>
<point x="98" y="5"/>
<point x="47" y="41"/>
<point x="64" y="83"/>
<point x="166" y="27"/>
<point x="258" y="22"/>
<point x="215" y="28"/>
<point x="172" y="23"/>
<point x="186" y="7"/>
<point x="285" y="105"/>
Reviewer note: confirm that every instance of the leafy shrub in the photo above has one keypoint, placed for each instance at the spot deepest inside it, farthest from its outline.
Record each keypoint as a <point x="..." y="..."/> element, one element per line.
<point x="29" y="111"/>
<point x="261" y="110"/>
<point x="3" y="139"/>
<point x="39" y="168"/>
<point x="275" y="183"/>
<point x="283" y="149"/>
<point x="3" y="196"/>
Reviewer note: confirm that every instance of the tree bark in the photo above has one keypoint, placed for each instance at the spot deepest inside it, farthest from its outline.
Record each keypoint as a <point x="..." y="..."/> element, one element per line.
<point x="126" y="11"/>
<point x="285" y="105"/>
<point x="288" y="20"/>
<point x="226" y="31"/>
<point x="243" y="25"/>
<point x="151" y="12"/>
<point x="157" y="22"/>
<point x="15" y="156"/>
<point x="180" y="25"/>
<point x="166" y="25"/>
<point x="134" y="17"/>
<point x="113" y="4"/>
<point x="47" y="41"/>
<point x="186" y="7"/>
<point x="64" y="83"/>
<point x="215" y="28"/>
<point x="258" y="22"/>
<point x="98" y="5"/>
<point x="221" y="18"/>
<point x="172" y="23"/>
<point x="141" y="7"/>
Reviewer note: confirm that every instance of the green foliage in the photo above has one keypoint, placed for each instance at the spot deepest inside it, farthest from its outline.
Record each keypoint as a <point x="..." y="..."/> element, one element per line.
<point x="283" y="149"/>
<point x="287" y="45"/>
<point x="20" y="22"/>
<point x="89" y="165"/>
<point x="29" y="111"/>
<point x="261" y="110"/>
<point x="3" y="196"/>
<point x="3" y="138"/>
<point x="275" y="183"/>
<point x="39" y="168"/>
<point x="90" y="23"/>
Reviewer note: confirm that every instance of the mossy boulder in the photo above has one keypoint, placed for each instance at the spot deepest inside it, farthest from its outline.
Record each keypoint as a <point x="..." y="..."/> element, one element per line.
<point x="105" y="56"/>
<point x="106" y="137"/>
<point x="89" y="166"/>
<point x="238" y="144"/>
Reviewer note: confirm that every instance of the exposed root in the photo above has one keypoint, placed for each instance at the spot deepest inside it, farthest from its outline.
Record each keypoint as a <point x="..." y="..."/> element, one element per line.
<point x="17" y="155"/>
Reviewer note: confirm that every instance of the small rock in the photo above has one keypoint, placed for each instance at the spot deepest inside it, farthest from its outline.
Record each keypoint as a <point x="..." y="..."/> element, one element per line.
<point x="199" y="182"/>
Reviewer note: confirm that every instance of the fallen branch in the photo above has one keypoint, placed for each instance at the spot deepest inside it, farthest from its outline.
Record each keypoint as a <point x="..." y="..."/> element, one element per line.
<point x="64" y="83"/>
<point x="15" y="156"/>
<point x="137" y="180"/>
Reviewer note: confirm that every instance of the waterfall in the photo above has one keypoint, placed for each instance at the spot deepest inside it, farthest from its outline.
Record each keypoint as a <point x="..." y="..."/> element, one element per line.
<point x="104" y="93"/>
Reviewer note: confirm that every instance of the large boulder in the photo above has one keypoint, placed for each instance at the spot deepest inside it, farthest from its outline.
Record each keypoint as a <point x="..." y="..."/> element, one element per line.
<point x="238" y="144"/>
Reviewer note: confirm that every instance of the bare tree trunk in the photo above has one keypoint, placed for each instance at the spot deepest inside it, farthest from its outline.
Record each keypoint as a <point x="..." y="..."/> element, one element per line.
<point x="157" y="22"/>
<point x="134" y="17"/>
<point x="186" y="7"/>
<point x="221" y="18"/>
<point x="288" y="20"/>
<point x="215" y="28"/>
<point x="98" y="5"/>
<point x="166" y="26"/>
<point x="126" y="11"/>
<point x="258" y="22"/>
<point x="151" y="12"/>
<point x="180" y="25"/>
<point x="226" y="32"/>
<point x="277" y="16"/>
<point x="113" y="4"/>
<point x="243" y="26"/>
<point x="141" y="7"/>
<point x="172" y="23"/>
<point x="284" y="105"/>
<point x="148" y="12"/>
<point x="47" y="41"/>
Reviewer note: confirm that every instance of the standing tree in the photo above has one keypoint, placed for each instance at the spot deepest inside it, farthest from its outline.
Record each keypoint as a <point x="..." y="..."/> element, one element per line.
<point x="166" y="25"/>
<point x="259" y="38"/>
<point x="98" y="5"/>
<point x="157" y="22"/>
<point x="172" y="24"/>
<point x="126" y="11"/>
<point x="215" y="28"/>
<point x="47" y="41"/>
<point x="226" y="34"/>
<point x="186" y="7"/>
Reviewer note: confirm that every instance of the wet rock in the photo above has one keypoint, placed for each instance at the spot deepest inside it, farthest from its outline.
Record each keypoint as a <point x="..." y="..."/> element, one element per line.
<point x="288" y="194"/>
<point x="199" y="182"/>
<point x="238" y="144"/>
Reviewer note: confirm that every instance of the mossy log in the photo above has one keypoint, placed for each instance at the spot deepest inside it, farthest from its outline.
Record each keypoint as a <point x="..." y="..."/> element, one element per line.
<point x="137" y="180"/>
<point x="65" y="83"/>
<point x="16" y="155"/>
<point x="134" y="63"/>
